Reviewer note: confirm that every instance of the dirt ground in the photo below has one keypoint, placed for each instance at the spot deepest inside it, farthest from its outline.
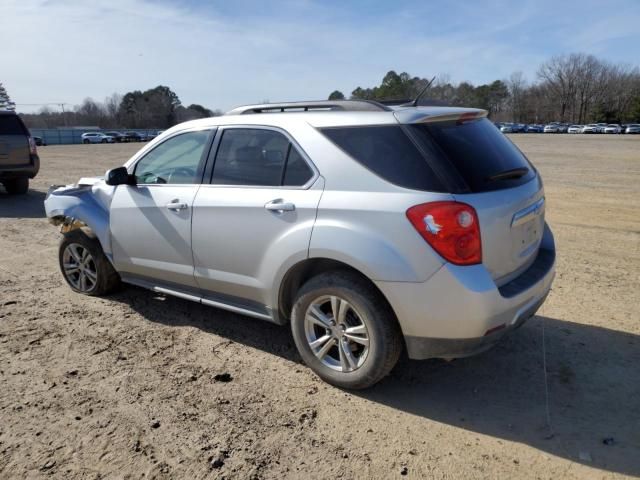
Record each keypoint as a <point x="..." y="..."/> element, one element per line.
<point x="125" y="386"/>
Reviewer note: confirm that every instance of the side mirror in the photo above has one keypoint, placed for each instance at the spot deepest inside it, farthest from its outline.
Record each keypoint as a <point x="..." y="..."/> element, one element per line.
<point x="118" y="176"/>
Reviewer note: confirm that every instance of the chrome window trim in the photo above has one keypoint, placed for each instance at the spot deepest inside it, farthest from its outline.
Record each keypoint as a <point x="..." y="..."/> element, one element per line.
<point x="294" y="143"/>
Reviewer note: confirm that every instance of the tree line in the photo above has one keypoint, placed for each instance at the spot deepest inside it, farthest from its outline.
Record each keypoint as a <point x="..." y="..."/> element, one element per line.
<point x="158" y="108"/>
<point x="575" y="88"/>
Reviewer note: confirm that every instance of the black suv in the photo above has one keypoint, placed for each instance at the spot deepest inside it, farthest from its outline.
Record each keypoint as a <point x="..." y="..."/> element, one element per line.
<point x="117" y="136"/>
<point x="135" y="137"/>
<point x="18" y="154"/>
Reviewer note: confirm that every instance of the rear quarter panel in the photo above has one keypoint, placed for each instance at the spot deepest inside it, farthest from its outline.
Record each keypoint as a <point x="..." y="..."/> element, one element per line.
<point x="370" y="232"/>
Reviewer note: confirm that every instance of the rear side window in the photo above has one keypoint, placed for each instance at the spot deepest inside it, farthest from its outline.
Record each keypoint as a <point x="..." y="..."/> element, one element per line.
<point x="389" y="153"/>
<point x="477" y="151"/>
<point x="260" y="157"/>
<point x="297" y="171"/>
<point x="11" y="125"/>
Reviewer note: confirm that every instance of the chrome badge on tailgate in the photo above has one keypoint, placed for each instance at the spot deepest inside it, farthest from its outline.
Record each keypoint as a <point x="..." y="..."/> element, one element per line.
<point x="527" y="225"/>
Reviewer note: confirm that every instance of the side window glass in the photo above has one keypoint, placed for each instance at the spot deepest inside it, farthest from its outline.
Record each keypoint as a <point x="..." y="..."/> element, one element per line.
<point x="297" y="172"/>
<point x="176" y="160"/>
<point x="250" y="157"/>
<point x="258" y="157"/>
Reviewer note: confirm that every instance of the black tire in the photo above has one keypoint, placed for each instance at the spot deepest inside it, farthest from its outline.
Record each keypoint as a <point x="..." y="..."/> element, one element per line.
<point x="107" y="279"/>
<point x="86" y="142"/>
<point x="385" y="338"/>
<point x="104" y="140"/>
<point x="16" y="186"/>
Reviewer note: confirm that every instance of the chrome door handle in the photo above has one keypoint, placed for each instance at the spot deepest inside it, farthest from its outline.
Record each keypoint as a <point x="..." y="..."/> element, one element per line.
<point x="280" y="206"/>
<point x="176" y="206"/>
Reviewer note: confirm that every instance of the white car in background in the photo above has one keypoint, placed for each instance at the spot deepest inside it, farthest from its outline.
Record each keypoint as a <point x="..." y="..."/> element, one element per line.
<point x="612" y="128"/>
<point x="506" y="129"/>
<point x="551" y="128"/>
<point x="96" y="137"/>
<point x="575" y="129"/>
<point x="591" y="128"/>
<point x="633" y="128"/>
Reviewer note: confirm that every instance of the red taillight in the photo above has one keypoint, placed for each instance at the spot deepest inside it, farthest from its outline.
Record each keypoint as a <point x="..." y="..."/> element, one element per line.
<point x="32" y="146"/>
<point x="451" y="228"/>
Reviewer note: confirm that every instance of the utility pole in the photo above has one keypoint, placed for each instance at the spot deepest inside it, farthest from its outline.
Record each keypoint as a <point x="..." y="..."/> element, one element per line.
<point x="64" y="116"/>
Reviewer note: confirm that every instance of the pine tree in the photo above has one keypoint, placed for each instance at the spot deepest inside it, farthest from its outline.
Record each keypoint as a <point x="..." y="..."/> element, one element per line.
<point x="5" y="101"/>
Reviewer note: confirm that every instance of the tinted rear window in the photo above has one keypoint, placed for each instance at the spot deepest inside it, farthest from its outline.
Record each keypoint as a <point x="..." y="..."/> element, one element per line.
<point x="476" y="150"/>
<point x="389" y="153"/>
<point x="11" y="125"/>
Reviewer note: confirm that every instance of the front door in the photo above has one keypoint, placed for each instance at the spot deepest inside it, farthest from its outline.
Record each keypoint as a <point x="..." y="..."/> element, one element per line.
<point x="151" y="221"/>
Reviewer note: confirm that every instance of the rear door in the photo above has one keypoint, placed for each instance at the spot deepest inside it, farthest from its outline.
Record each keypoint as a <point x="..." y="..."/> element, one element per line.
<point x="151" y="221"/>
<point x="498" y="181"/>
<point x="256" y="216"/>
<point x="14" y="142"/>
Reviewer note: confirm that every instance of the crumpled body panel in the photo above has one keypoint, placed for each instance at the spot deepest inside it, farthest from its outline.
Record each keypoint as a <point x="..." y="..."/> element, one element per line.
<point x="86" y="202"/>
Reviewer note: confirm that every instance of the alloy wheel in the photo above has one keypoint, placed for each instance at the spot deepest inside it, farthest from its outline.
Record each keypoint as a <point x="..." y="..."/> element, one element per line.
<point x="336" y="333"/>
<point x="79" y="267"/>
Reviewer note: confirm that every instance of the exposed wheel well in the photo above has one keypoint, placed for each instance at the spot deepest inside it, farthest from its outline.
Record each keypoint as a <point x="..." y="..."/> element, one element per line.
<point x="301" y="272"/>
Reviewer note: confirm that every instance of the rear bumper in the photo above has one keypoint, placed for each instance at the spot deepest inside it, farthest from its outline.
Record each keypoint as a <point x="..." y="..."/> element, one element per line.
<point x="454" y="312"/>
<point x="29" y="170"/>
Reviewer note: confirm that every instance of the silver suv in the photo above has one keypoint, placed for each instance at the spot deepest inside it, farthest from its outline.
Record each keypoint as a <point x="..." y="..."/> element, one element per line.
<point x="369" y="229"/>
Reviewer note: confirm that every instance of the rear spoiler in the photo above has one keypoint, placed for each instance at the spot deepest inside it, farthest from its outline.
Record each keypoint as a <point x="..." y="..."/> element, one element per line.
<point x="438" y="114"/>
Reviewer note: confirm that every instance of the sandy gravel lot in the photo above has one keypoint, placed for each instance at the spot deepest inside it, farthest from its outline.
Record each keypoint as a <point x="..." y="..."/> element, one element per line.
<point x="124" y="386"/>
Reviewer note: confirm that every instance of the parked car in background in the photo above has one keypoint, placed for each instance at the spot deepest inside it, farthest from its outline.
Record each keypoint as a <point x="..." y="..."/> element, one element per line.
<point x="591" y="128"/>
<point x="117" y="136"/>
<point x="534" y="128"/>
<point x="634" y="128"/>
<point x="96" y="137"/>
<point x="39" y="141"/>
<point x="575" y="129"/>
<point x="601" y="127"/>
<point x="19" y="159"/>
<point x="563" y="127"/>
<point x="551" y="128"/>
<point x="284" y="228"/>
<point x="135" y="136"/>
<point x="506" y="128"/>
<point x="612" y="128"/>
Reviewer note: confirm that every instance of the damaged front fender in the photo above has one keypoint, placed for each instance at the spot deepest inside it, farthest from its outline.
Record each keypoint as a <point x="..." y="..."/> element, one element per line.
<point x="82" y="205"/>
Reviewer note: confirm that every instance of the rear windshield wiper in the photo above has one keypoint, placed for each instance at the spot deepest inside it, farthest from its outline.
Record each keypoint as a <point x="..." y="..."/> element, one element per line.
<point x="508" y="174"/>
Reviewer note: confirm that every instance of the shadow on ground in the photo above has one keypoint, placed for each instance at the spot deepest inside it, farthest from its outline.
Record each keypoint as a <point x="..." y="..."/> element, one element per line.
<point x="593" y="377"/>
<point x="30" y="205"/>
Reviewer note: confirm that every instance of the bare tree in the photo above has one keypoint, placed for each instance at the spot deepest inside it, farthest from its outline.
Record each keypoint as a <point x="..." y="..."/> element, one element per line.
<point x="517" y="85"/>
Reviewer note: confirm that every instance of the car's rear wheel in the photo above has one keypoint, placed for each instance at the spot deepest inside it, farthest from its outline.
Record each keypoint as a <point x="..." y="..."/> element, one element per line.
<point x="345" y="331"/>
<point x="84" y="265"/>
<point x="16" y="186"/>
<point x="85" y="141"/>
<point x="104" y="140"/>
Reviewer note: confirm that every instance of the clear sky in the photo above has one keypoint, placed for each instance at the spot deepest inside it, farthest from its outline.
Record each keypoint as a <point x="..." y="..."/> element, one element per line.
<point x="224" y="53"/>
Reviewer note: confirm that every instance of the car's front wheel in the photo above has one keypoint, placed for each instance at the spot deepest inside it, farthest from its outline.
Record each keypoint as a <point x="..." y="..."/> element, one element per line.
<point x="16" y="186"/>
<point x="84" y="265"/>
<point x="345" y="331"/>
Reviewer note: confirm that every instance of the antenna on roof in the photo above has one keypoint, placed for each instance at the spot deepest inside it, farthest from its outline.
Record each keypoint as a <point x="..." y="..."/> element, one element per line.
<point x="422" y="92"/>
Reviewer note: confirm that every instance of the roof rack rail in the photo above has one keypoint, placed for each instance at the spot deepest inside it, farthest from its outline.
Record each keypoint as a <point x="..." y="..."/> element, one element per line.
<point x="323" y="105"/>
